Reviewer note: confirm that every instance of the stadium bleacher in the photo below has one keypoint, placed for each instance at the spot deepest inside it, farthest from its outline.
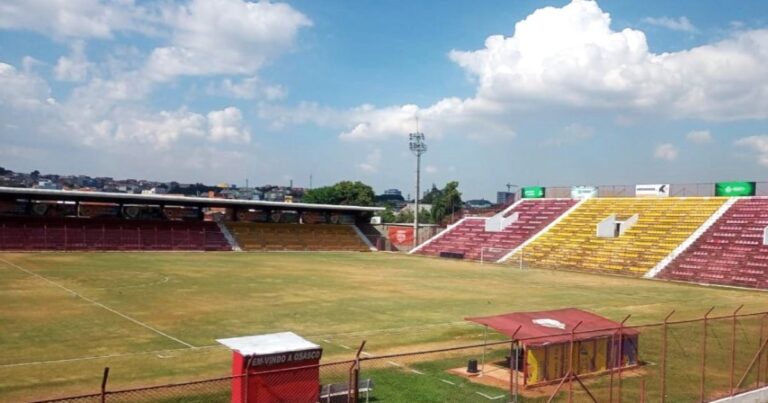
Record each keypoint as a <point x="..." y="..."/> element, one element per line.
<point x="730" y="252"/>
<point x="663" y="224"/>
<point x="48" y="233"/>
<point x="470" y="239"/>
<point x="298" y="237"/>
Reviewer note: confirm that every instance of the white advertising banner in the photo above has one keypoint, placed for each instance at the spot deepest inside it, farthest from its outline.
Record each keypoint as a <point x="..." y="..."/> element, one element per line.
<point x="583" y="192"/>
<point x="653" y="190"/>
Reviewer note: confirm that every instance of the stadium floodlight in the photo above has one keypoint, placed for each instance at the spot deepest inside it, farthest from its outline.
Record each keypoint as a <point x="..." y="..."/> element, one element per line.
<point x="418" y="147"/>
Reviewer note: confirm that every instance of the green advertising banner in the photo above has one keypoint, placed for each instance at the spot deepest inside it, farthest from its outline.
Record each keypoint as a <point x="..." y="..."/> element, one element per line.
<point x="735" y="189"/>
<point x="533" y="192"/>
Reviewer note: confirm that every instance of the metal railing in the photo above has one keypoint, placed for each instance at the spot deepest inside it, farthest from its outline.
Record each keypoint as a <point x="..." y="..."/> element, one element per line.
<point x="699" y="359"/>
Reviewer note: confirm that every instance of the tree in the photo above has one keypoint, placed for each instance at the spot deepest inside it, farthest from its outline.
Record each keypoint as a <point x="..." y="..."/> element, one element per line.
<point x="388" y="216"/>
<point x="448" y="203"/>
<point x="344" y="193"/>
<point x="432" y="195"/>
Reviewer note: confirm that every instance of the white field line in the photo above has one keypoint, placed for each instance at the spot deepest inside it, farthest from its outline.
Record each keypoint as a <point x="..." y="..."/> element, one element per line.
<point x="99" y="304"/>
<point x="390" y="330"/>
<point x="417" y="372"/>
<point x="489" y="397"/>
<point x="218" y="345"/>
<point x="163" y="281"/>
<point x="99" y="357"/>
<point x="394" y="364"/>
<point x="448" y="382"/>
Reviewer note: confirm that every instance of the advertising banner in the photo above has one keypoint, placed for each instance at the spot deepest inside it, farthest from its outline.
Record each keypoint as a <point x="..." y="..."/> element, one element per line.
<point x="652" y="190"/>
<point x="400" y="236"/>
<point x="735" y="189"/>
<point x="533" y="192"/>
<point x="583" y="192"/>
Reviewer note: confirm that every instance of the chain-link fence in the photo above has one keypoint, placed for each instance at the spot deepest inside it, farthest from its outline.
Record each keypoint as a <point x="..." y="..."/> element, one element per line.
<point x="701" y="359"/>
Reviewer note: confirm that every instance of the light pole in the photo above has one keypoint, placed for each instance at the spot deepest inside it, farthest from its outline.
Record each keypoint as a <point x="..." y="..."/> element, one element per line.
<point x="418" y="147"/>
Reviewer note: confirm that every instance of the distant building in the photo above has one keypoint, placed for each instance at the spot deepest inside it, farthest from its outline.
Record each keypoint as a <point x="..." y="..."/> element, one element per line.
<point x="478" y="203"/>
<point x="411" y="207"/>
<point x="393" y="192"/>
<point x="47" y="184"/>
<point x="504" y="197"/>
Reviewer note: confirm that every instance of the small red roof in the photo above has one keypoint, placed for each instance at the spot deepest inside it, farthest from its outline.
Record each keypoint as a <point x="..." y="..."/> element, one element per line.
<point x="548" y="327"/>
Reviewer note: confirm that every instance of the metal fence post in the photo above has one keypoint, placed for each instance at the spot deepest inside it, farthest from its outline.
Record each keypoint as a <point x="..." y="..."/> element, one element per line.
<point x="570" y="363"/>
<point x="104" y="378"/>
<point x="704" y="355"/>
<point x="356" y="375"/>
<point x="513" y="349"/>
<point x="664" y="358"/>
<point x="733" y="347"/>
<point x="760" y="360"/>
<point x="621" y="354"/>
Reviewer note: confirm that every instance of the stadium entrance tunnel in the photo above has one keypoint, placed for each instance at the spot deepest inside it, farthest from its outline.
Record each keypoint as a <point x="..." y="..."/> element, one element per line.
<point x="611" y="227"/>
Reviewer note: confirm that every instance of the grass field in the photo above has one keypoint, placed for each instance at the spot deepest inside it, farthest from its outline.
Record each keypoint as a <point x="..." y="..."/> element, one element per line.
<point x="153" y="317"/>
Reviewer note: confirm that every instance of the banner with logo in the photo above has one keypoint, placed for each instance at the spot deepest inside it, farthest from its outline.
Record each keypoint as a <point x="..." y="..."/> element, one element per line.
<point x="401" y="236"/>
<point x="652" y="190"/>
<point x="583" y="192"/>
<point x="735" y="189"/>
<point x="532" y="192"/>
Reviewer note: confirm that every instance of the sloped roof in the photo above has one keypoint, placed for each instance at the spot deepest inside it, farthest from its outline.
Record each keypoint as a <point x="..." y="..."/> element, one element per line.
<point x="551" y="327"/>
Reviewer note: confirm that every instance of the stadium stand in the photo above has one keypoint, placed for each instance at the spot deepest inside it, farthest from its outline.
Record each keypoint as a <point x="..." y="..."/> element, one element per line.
<point x="469" y="238"/>
<point x="298" y="237"/>
<point x="662" y="224"/>
<point x="730" y="252"/>
<point x="47" y="233"/>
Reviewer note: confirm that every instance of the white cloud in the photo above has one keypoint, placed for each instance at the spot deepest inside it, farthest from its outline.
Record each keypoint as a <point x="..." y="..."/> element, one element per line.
<point x="572" y="133"/>
<point x="473" y="118"/>
<point x="224" y="37"/>
<point x="94" y="117"/>
<point x="666" y="152"/>
<point x="75" y="18"/>
<point x="759" y="145"/>
<point x="159" y="130"/>
<point x="570" y="57"/>
<point x="162" y="130"/>
<point x="699" y="136"/>
<point x="682" y="24"/>
<point x="22" y="91"/>
<point x="247" y="88"/>
<point x="430" y="169"/>
<point x="227" y="124"/>
<point x="74" y="67"/>
<point x="372" y="161"/>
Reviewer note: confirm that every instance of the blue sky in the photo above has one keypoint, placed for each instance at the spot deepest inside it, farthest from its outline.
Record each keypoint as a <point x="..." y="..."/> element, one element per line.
<point x="527" y="92"/>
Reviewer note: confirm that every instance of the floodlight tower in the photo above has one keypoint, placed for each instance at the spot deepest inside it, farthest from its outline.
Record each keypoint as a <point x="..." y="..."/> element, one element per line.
<point x="418" y="147"/>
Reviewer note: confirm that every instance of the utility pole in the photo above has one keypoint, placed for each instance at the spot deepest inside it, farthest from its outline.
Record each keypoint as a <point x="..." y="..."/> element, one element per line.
<point x="418" y="147"/>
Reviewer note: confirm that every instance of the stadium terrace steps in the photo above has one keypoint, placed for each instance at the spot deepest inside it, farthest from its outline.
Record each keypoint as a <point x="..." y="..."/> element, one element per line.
<point x="38" y="233"/>
<point x="469" y="237"/>
<point x="730" y="252"/>
<point x="663" y="224"/>
<point x="296" y="237"/>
